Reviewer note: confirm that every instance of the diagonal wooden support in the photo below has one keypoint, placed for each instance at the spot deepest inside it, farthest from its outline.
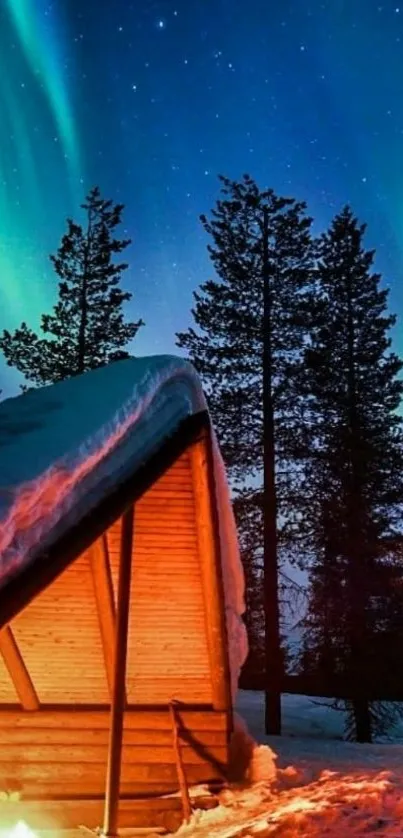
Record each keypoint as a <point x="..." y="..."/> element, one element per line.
<point x="110" y="829"/>
<point x="180" y="769"/>
<point x="18" y="671"/>
<point x="103" y="589"/>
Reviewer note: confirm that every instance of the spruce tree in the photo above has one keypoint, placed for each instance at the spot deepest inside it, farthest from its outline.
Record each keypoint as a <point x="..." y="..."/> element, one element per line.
<point x="354" y="476"/>
<point x="246" y="349"/>
<point x="87" y="327"/>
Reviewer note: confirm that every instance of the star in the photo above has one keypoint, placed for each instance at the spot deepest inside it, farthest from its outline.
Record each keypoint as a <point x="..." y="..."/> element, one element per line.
<point x="161" y="24"/>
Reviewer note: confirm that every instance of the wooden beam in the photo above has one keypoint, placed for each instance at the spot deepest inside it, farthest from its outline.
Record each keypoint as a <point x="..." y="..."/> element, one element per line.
<point x="18" y="671"/>
<point x="210" y="562"/>
<point x="103" y="589"/>
<point x="110" y="829"/>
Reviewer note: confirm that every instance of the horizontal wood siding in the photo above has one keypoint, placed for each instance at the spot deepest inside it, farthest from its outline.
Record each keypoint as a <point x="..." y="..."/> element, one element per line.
<point x="8" y="694"/>
<point x="59" y="638"/>
<point x="168" y="651"/>
<point x="59" y="634"/>
<point x="57" y="815"/>
<point x="63" y="754"/>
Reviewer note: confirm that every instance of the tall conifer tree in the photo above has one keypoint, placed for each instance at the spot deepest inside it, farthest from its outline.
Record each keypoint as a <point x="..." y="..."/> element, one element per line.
<point x="87" y="327"/>
<point x="247" y="347"/>
<point x="354" y="477"/>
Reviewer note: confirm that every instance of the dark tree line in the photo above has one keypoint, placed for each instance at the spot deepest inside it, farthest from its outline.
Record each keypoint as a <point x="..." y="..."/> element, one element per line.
<point x="354" y="475"/>
<point x="293" y="345"/>
<point x="291" y="339"/>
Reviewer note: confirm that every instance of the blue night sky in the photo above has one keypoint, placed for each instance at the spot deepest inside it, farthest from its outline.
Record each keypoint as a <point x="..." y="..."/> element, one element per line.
<point x="152" y="100"/>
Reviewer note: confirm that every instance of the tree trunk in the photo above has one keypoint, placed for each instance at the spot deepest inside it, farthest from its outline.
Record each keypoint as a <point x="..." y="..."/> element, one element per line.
<point x="356" y="551"/>
<point x="273" y="656"/>
<point x="362" y="720"/>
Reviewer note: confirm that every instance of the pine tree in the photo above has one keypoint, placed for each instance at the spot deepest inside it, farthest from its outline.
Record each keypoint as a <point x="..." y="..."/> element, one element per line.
<point x="354" y="476"/>
<point x="87" y="327"/>
<point x="246" y="351"/>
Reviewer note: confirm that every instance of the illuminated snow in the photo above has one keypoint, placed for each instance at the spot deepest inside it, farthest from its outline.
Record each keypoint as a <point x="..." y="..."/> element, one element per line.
<point x="20" y="830"/>
<point x="321" y="786"/>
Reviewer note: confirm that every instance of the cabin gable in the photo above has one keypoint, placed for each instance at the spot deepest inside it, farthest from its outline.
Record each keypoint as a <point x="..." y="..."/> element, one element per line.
<point x="177" y="651"/>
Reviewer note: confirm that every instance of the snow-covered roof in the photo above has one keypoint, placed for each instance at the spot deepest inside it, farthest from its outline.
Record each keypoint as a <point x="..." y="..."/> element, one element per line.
<point x="64" y="446"/>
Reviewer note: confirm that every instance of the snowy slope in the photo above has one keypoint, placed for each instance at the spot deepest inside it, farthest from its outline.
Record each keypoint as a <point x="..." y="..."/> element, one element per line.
<point x="63" y="446"/>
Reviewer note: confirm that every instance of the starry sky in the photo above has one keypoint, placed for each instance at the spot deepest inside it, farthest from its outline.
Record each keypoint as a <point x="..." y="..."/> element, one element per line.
<point x="152" y="100"/>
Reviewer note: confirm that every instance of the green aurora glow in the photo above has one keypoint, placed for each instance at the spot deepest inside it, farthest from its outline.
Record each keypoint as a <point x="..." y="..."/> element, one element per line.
<point x="40" y="165"/>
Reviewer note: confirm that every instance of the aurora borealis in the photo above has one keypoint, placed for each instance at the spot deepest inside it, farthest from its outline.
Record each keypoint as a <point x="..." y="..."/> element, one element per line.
<point x="39" y="157"/>
<point x="152" y="100"/>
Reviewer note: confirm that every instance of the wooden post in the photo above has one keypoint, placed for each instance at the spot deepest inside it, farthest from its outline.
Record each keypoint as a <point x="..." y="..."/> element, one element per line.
<point x="110" y="829"/>
<point x="103" y="589"/>
<point x="273" y="656"/>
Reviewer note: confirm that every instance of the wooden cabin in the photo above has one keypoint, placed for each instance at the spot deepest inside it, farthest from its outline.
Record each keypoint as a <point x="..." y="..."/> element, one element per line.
<point x="114" y="668"/>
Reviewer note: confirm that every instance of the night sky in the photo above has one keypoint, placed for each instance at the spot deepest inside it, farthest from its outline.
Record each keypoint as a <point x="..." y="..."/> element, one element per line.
<point x="152" y="100"/>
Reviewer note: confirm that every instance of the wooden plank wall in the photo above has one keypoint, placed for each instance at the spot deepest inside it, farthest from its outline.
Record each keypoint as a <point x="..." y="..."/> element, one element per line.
<point x="59" y="635"/>
<point x="63" y="754"/>
<point x="168" y="651"/>
<point x="8" y="694"/>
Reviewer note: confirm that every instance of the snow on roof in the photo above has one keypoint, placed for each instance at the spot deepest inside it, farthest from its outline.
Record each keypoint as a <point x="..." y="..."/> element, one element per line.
<point x="62" y="447"/>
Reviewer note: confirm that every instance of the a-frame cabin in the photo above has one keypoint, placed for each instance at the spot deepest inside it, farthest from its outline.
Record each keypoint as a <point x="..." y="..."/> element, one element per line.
<point x="118" y="622"/>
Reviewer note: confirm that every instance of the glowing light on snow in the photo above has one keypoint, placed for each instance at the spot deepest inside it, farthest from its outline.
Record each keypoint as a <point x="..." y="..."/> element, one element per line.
<point x="334" y="804"/>
<point x="20" y="830"/>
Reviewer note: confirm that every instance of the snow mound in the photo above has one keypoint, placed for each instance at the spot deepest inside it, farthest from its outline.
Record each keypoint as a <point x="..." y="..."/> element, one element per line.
<point x="250" y="761"/>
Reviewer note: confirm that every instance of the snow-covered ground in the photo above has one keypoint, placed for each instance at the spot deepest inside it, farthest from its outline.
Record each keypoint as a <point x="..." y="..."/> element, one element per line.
<point x="309" y="782"/>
